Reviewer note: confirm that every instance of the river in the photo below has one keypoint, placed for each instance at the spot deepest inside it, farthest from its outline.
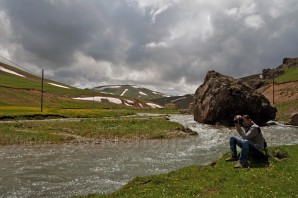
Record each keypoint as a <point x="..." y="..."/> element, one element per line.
<point x="65" y="170"/>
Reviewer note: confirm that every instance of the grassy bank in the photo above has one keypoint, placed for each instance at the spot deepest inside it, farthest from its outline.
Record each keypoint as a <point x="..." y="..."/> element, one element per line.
<point x="279" y="179"/>
<point x="20" y="112"/>
<point x="87" y="129"/>
<point x="285" y="110"/>
<point x="290" y="74"/>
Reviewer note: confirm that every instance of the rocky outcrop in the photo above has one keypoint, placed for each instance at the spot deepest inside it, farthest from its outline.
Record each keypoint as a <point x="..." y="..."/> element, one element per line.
<point x="289" y="63"/>
<point x="221" y="97"/>
<point x="286" y="63"/>
<point x="272" y="73"/>
<point x="254" y="81"/>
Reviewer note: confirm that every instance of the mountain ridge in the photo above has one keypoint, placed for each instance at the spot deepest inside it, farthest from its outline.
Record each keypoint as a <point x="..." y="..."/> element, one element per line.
<point x="133" y="91"/>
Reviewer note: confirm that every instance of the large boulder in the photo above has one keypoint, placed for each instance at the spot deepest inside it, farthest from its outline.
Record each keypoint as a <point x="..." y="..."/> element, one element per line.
<point x="221" y="97"/>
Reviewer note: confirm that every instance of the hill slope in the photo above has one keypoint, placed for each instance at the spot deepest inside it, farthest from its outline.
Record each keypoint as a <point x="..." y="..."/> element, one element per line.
<point x="20" y="88"/>
<point x="181" y="102"/>
<point x="284" y="94"/>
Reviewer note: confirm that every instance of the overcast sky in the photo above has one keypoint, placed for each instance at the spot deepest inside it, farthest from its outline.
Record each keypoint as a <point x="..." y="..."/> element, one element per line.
<point x="164" y="45"/>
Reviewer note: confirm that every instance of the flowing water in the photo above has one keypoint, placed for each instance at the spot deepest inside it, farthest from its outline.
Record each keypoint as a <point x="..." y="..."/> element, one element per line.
<point x="66" y="170"/>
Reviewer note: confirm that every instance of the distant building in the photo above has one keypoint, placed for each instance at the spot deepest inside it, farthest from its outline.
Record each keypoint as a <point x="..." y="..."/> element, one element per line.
<point x="170" y="106"/>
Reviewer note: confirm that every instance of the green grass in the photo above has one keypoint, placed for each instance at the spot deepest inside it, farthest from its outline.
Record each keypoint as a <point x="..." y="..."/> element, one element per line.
<point x="19" y="91"/>
<point x="98" y="110"/>
<point x="284" y="110"/>
<point x="279" y="179"/>
<point x="23" y="134"/>
<point x="289" y="75"/>
<point x="34" y="83"/>
<point x="38" y="132"/>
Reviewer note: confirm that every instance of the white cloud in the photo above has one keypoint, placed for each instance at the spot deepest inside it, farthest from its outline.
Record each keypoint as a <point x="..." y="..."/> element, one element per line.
<point x="254" y="22"/>
<point x="156" y="45"/>
<point x="155" y="13"/>
<point x="5" y="25"/>
<point x="197" y="25"/>
<point x="248" y="7"/>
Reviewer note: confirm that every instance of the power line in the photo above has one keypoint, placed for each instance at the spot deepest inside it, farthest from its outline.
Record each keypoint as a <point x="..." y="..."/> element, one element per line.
<point x="19" y="66"/>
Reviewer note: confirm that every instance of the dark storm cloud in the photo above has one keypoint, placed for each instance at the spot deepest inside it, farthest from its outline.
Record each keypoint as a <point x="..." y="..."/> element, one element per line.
<point x="49" y="31"/>
<point x="54" y="31"/>
<point x="169" y="44"/>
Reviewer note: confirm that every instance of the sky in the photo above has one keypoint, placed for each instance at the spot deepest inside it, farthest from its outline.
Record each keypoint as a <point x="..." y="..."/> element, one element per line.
<point x="164" y="45"/>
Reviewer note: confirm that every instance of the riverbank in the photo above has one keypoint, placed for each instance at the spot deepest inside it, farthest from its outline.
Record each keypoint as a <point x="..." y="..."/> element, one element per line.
<point x="219" y="179"/>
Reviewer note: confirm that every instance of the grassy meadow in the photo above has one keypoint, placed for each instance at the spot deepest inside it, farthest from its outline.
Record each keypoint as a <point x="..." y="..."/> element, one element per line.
<point x="291" y="74"/>
<point x="284" y="108"/>
<point x="88" y="130"/>
<point x="20" y="100"/>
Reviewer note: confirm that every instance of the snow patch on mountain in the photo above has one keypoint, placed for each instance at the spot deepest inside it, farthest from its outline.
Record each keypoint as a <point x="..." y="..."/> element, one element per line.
<point x="11" y="72"/>
<point x="142" y="93"/>
<point x="109" y="87"/>
<point x="154" y="105"/>
<point x="129" y="101"/>
<point x="99" y="99"/>
<point x="59" y="85"/>
<point x="124" y="92"/>
<point x="137" y="87"/>
<point x="178" y="99"/>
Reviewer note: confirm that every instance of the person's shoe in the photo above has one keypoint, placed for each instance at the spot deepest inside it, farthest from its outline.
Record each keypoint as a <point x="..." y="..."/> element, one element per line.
<point x="231" y="159"/>
<point x="240" y="165"/>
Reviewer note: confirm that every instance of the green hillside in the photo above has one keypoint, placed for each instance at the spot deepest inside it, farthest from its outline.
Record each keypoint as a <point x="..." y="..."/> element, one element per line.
<point x="21" y="89"/>
<point x="291" y="74"/>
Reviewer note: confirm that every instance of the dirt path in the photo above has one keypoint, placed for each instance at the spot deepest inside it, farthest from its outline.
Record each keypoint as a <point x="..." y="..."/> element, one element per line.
<point x="283" y="92"/>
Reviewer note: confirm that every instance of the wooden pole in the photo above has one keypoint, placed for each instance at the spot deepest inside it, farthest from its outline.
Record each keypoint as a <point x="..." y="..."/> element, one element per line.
<point x="273" y="86"/>
<point x="41" y="99"/>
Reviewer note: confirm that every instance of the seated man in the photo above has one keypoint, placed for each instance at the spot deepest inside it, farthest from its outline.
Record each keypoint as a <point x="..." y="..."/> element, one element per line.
<point x="252" y="140"/>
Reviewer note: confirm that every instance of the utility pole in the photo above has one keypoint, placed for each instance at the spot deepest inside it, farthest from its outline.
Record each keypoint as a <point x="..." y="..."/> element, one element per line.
<point x="273" y="86"/>
<point x="41" y="99"/>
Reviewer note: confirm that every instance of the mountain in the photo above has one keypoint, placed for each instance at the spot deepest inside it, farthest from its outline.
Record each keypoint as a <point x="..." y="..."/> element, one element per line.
<point x="132" y="91"/>
<point x="181" y="102"/>
<point x="138" y="92"/>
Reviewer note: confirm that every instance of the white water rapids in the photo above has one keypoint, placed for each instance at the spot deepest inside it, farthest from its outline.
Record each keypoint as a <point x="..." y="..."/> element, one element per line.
<point x="66" y="170"/>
